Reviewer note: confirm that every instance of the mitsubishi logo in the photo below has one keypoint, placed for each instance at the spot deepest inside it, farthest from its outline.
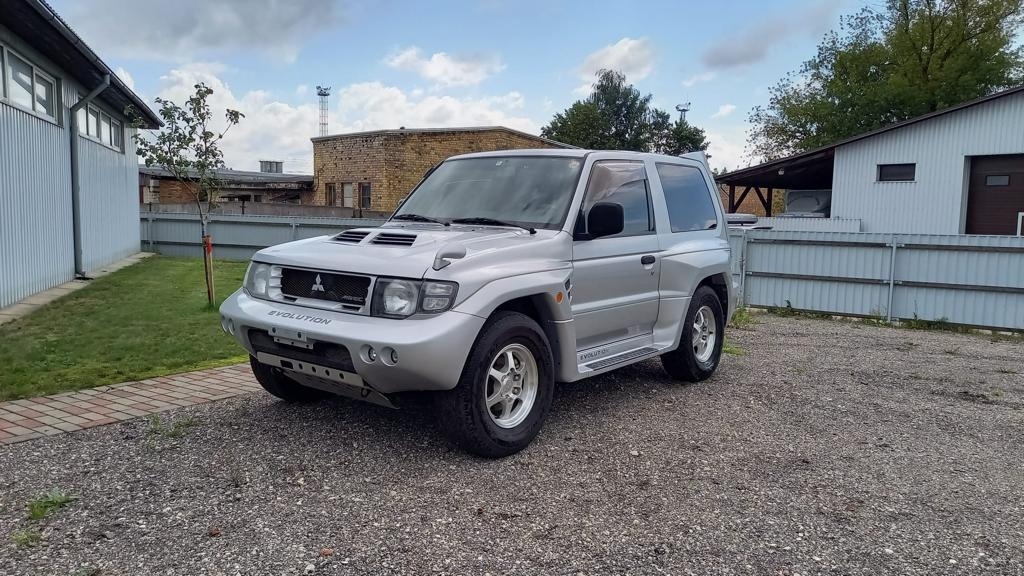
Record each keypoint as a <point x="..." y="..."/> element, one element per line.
<point x="317" y="286"/>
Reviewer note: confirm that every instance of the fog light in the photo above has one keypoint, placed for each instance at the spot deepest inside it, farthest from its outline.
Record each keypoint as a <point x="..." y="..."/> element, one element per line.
<point x="394" y="357"/>
<point x="389" y="356"/>
<point x="371" y="354"/>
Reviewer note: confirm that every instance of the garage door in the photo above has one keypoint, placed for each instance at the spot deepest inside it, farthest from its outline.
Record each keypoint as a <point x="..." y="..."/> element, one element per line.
<point x="996" y="194"/>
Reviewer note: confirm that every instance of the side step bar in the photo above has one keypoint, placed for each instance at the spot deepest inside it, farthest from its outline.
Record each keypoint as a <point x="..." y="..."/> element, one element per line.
<point x="623" y="358"/>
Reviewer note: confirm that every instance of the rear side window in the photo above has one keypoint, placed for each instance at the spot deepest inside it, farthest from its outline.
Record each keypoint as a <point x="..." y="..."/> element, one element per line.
<point x="623" y="183"/>
<point x="688" y="198"/>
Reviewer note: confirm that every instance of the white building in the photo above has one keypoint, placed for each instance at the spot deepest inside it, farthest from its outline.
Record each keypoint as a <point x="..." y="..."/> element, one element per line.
<point x="68" y="169"/>
<point x="954" y="171"/>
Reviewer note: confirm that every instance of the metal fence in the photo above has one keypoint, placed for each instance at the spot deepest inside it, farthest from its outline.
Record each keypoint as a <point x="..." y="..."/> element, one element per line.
<point x="970" y="280"/>
<point x="235" y="237"/>
<point x="811" y="224"/>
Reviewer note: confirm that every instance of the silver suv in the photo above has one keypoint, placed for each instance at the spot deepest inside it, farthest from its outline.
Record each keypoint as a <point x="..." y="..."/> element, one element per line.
<point x="499" y="275"/>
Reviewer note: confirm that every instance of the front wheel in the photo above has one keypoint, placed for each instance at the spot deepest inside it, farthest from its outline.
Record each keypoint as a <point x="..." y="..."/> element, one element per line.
<point x="700" y="345"/>
<point x="505" y="390"/>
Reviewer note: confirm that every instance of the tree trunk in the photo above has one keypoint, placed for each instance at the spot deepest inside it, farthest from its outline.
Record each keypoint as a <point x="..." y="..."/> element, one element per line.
<point x="207" y="243"/>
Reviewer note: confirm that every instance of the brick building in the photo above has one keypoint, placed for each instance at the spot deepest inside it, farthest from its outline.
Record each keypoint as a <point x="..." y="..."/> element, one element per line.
<point x="157" y="185"/>
<point x="373" y="171"/>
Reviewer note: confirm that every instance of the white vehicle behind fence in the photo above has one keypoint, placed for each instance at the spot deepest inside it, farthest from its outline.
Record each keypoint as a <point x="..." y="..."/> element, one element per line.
<point x="501" y="274"/>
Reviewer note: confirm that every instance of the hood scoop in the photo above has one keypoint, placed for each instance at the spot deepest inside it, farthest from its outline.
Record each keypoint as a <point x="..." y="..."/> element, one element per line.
<point x="392" y="239"/>
<point x="352" y="236"/>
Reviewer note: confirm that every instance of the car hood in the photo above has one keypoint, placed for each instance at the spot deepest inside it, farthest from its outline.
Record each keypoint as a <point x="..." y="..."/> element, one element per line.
<point x="406" y="251"/>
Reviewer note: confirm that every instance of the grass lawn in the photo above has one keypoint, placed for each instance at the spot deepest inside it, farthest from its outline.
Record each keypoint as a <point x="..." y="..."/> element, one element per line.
<point x="146" y="320"/>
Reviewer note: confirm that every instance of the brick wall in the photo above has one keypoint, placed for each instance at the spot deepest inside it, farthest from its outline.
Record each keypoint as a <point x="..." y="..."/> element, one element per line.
<point x="752" y="204"/>
<point x="393" y="162"/>
<point x="174" y="192"/>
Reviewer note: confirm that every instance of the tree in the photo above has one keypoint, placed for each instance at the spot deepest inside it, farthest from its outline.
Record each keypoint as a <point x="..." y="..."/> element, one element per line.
<point x="189" y="149"/>
<point x="616" y="116"/>
<point x="886" y="65"/>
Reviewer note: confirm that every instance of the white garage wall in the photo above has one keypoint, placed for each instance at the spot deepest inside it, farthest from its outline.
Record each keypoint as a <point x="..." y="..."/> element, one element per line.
<point x="936" y="202"/>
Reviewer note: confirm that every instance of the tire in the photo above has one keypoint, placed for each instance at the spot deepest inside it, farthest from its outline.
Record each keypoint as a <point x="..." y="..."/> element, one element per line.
<point x="692" y="361"/>
<point x="497" y="431"/>
<point x="274" y="381"/>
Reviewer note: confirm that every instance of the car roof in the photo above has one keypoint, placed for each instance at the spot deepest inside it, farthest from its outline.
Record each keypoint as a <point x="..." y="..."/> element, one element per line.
<point x="571" y="153"/>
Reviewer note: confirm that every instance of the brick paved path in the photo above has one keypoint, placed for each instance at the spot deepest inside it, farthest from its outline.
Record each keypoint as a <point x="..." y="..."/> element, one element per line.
<point x="30" y="418"/>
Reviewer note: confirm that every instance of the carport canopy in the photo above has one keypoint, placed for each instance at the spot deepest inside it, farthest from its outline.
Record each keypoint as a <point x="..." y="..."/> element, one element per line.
<point x="808" y="171"/>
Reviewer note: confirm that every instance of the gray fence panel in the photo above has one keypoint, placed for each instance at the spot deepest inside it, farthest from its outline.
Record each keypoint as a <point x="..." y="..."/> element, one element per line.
<point x="971" y="280"/>
<point x="235" y="237"/>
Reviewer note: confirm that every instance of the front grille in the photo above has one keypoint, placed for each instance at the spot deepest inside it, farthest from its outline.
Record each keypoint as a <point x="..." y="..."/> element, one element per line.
<point x="323" y="353"/>
<point x="342" y="288"/>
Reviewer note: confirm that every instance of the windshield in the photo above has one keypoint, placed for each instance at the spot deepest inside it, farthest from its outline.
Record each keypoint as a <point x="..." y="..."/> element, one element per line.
<point x="529" y="191"/>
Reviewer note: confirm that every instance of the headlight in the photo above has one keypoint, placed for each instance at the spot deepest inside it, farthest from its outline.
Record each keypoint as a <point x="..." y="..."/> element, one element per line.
<point x="397" y="298"/>
<point x="257" y="279"/>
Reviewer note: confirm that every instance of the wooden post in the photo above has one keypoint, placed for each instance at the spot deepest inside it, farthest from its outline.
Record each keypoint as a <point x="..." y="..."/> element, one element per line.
<point x="771" y="202"/>
<point x="732" y="198"/>
<point x="208" y="268"/>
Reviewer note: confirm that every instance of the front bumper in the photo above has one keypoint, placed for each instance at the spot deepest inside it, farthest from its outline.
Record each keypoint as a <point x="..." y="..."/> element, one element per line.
<point x="431" y="350"/>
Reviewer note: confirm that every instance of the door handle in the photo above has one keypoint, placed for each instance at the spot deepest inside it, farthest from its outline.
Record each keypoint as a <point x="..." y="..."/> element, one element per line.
<point x="647" y="260"/>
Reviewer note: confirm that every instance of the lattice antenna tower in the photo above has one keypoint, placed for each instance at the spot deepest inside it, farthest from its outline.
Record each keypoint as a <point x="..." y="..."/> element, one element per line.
<point x="324" y="92"/>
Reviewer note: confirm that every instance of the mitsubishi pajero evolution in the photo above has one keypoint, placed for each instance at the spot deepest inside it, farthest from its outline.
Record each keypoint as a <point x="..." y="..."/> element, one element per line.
<point x="499" y="275"/>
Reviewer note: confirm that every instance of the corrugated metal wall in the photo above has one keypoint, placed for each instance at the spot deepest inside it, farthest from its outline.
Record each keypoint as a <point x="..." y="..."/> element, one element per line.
<point x="36" y="250"/>
<point x="235" y="237"/>
<point x="110" y="202"/>
<point x="936" y="202"/>
<point x="810" y="224"/>
<point x="36" y="244"/>
<point x="972" y="280"/>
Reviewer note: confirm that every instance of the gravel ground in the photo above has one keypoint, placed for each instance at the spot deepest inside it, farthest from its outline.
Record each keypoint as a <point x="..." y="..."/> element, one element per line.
<point x="827" y="448"/>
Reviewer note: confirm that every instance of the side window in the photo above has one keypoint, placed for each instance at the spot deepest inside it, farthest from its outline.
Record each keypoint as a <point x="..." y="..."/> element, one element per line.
<point x="688" y="198"/>
<point x="623" y="183"/>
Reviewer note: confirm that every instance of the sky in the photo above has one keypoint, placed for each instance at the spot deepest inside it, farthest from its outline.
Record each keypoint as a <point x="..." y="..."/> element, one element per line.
<point x="394" y="63"/>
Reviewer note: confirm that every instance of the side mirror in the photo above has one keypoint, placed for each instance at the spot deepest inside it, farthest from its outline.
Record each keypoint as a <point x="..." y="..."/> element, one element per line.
<point x="605" y="219"/>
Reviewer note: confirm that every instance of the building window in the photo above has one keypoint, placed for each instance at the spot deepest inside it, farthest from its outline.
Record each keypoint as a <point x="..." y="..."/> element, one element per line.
<point x="365" y="198"/>
<point x="330" y="194"/>
<point x="346" y="195"/>
<point x="896" y="172"/>
<point x="997" y="180"/>
<point x="100" y="127"/>
<point x="688" y="198"/>
<point x="27" y="86"/>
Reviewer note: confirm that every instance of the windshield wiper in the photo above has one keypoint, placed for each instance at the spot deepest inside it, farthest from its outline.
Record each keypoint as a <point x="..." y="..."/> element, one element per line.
<point x="492" y="222"/>
<point x="418" y="218"/>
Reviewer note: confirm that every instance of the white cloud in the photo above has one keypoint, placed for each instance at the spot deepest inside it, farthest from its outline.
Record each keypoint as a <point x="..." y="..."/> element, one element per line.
<point x="271" y="130"/>
<point x="302" y="90"/>
<point x="741" y="47"/>
<point x="724" y="110"/>
<point x="274" y="130"/>
<point x="634" y="57"/>
<point x="699" y="79"/>
<point x="374" y="106"/>
<point x="125" y="77"/>
<point x="183" y="30"/>
<point x="447" y="69"/>
<point x="727" y="147"/>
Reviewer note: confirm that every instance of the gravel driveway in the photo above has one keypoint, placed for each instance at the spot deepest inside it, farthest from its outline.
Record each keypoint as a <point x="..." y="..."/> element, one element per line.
<point x="827" y="448"/>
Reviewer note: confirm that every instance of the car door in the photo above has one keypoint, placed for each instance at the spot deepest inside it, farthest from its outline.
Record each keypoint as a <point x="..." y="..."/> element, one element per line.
<point x="615" y="278"/>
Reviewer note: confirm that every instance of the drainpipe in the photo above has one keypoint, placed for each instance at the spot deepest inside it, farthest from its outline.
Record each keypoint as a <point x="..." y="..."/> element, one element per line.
<point x="76" y="200"/>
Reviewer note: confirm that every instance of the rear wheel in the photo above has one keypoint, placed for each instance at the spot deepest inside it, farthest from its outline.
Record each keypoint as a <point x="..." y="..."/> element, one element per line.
<point x="700" y="345"/>
<point x="274" y="381"/>
<point x="505" y="390"/>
